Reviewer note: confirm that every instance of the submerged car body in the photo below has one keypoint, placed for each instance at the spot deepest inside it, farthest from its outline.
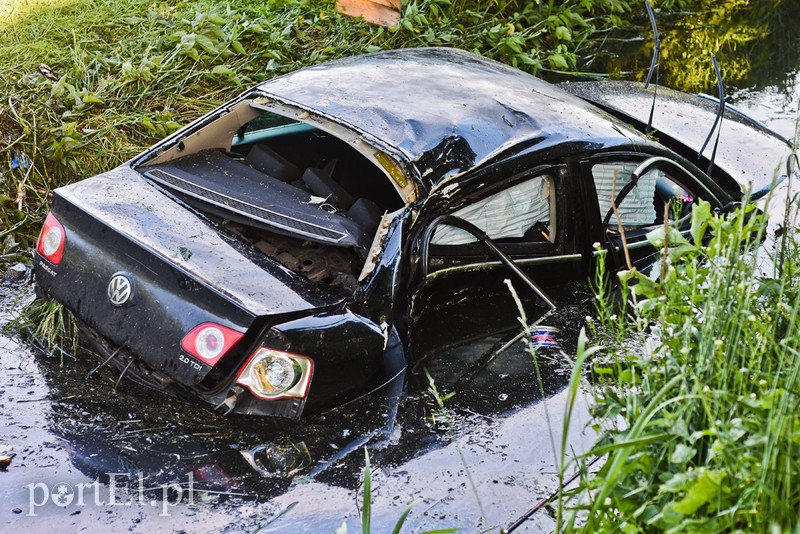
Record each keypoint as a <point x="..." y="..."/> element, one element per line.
<point x="272" y="257"/>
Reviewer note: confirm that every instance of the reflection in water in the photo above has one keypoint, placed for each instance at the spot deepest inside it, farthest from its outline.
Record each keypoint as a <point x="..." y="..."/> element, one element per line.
<point x="136" y="433"/>
<point x="755" y="41"/>
<point x="273" y="461"/>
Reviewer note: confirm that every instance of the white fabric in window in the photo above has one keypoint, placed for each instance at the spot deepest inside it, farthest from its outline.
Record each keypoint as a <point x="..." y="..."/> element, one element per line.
<point x="509" y="213"/>
<point x="637" y="208"/>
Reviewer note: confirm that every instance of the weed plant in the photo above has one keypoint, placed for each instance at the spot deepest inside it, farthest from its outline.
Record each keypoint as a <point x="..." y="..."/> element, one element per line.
<point x="696" y="393"/>
<point x="87" y="84"/>
<point x="50" y="324"/>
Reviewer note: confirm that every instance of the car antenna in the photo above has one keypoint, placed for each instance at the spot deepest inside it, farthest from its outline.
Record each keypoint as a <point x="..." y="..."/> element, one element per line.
<point x="717" y="120"/>
<point x="653" y="64"/>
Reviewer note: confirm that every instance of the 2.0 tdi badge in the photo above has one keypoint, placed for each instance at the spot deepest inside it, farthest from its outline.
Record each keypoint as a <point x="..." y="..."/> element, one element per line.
<point x="120" y="289"/>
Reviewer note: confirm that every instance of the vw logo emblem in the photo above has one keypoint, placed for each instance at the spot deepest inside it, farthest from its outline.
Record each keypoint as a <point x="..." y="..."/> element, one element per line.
<point x="120" y="289"/>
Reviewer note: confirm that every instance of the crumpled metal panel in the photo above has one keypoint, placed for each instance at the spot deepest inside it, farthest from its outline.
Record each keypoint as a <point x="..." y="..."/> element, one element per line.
<point x="444" y="110"/>
<point x="748" y="152"/>
<point x="126" y="202"/>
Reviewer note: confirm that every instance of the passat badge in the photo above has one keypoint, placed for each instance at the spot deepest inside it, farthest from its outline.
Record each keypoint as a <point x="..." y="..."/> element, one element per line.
<point x="120" y="289"/>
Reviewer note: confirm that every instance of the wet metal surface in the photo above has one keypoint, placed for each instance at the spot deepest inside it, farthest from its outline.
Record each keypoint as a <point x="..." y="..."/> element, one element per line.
<point x="473" y="110"/>
<point x="753" y="157"/>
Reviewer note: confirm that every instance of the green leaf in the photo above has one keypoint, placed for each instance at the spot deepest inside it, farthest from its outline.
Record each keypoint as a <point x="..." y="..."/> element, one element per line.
<point x="205" y="43"/>
<point x="223" y="70"/>
<point x="148" y="124"/>
<point x="563" y="34"/>
<point x="366" y="509"/>
<point x="677" y="482"/>
<point x="237" y="47"/>
<point x="602" y="370"/>
<point x="701" y="215"/>
<point x="682" y="454"/>
<point x="645" y="287"/>
<point x="668" y="517"/>
<point x="635" y="442"/>
<point x="701" y="492"/>
<point x="315" y="201"/>
<point x="216" y="19"/>
<point x="656" y="237"/>
<point x="557" y="61"/>
<point x="256" y="28"/>
<point x="92" y="99"/>
<point x="404" y="516"/>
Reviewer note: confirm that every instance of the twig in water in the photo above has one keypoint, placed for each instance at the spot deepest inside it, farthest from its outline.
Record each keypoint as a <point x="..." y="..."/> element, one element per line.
<point x="104" y="363"/>
<point x="122" y="374"/>
<point x="542" y="503"/>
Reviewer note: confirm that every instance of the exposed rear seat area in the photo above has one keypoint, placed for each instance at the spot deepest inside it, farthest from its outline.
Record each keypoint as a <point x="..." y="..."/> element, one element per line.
<point x="263" y="158"/>
<point x="327" y="168"/>
<point x="222" y="185"/>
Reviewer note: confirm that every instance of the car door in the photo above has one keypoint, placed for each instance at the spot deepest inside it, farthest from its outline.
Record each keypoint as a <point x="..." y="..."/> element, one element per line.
<point x="634" y="194"/>
<point x="494" y="227"/>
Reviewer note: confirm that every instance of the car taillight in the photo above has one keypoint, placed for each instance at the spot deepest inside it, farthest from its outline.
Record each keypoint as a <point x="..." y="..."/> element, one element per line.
<point x="209" y="342"/>
<point x="51" y="240"/>
<point x="272" y="374"/>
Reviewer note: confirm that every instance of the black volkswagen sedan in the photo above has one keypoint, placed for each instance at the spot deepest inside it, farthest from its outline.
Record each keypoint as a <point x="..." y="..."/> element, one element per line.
<point x="271" y="257"/>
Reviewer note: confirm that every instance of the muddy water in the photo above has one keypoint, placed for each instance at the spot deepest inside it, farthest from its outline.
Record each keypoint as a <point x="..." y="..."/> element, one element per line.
<point x="480" y="461"/>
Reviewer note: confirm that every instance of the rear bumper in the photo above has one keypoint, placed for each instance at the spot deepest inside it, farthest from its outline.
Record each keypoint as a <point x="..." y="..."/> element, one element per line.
<point x="230" y="398"/>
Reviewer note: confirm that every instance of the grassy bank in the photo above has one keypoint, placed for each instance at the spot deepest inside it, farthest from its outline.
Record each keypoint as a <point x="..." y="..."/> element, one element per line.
<point x="124" y="73"/>
<point x="697" y="389"/>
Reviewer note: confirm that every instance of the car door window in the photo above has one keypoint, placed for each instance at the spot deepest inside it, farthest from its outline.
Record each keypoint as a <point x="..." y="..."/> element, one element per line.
<point x="522" y="212"/>
<point x="637" y="208"/>
<point x="643" y="206"/>
<point x="662" y="192"/>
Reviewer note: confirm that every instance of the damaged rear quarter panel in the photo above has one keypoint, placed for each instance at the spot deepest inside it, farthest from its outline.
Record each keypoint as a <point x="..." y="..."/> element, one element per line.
<point x="345" y="347"/>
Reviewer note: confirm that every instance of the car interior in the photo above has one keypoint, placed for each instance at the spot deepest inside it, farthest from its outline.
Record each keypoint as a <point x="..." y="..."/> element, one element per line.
<point x="299" y="194"/>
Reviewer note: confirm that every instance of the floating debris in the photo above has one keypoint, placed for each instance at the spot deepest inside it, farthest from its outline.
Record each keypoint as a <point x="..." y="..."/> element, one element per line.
<point x="544" y="336"/>
<point x="5" y="461"/>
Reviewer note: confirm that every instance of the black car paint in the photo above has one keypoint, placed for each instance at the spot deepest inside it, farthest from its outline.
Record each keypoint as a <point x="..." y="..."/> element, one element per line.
<point x="461" y="127"/>
<point x="444" y="111"/>
<point x="750" y="156"/>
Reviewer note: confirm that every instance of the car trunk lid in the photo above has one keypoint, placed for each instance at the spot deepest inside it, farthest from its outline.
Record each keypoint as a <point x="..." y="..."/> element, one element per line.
<point x="184" y="272"/>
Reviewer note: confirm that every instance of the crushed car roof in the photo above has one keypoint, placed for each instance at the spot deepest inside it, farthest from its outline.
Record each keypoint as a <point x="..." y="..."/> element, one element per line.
<point x="443" y="110"/>
<point x="748" y="152"/>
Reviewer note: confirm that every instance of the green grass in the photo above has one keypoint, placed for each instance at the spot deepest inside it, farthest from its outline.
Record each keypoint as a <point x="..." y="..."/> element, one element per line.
<point x="51" y="325"/>
<point x="128" y="72"/>
<point x="695" y="395"/>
